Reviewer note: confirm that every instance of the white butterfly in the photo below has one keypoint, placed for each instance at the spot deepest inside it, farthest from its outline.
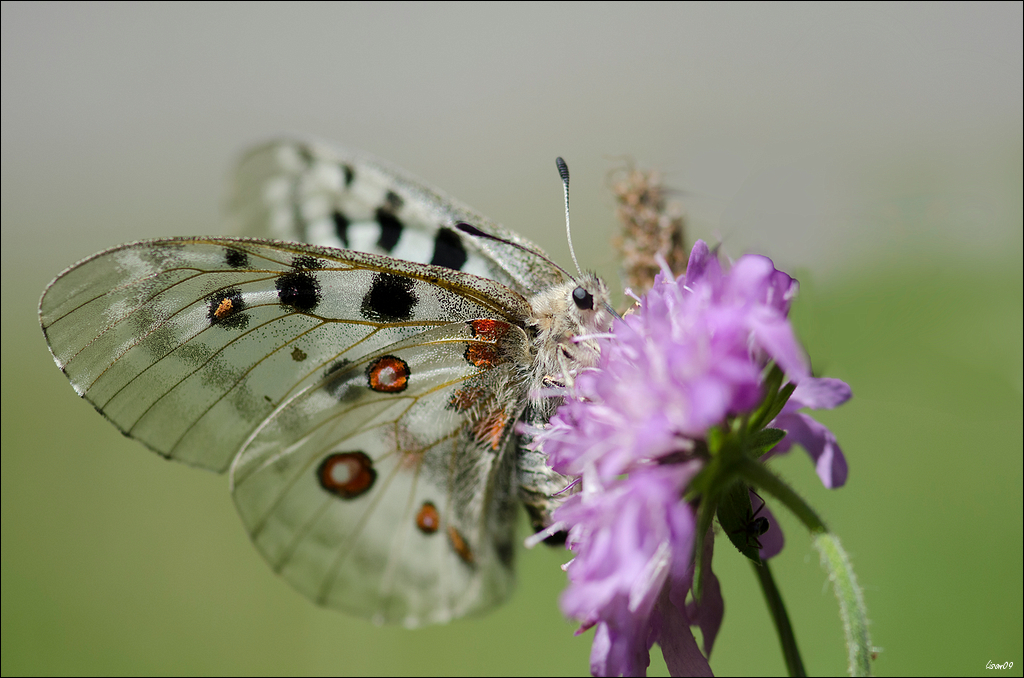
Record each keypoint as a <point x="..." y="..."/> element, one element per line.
<point x="363" y="401"/>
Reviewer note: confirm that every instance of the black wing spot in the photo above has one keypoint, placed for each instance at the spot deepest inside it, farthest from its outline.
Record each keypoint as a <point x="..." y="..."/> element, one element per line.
<point x="393" y="202"/>
<point x="236" y="258"/>
<point x="298" y="355"/>
<point x="390" y="299"/>
<point x="226" y="308"/>
<point x="341" y="227"/>
<point x="390" y="229"/>
<point x="448" y="250"/>
<point x="299" y="290"/>
<point x="305" y="154"/>
<point x="304" y="262"/>
<point x="350" y="174"/>
<point x="472" y="230"/>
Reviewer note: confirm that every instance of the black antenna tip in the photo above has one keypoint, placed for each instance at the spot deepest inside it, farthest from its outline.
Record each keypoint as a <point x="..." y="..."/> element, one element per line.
<point x="563" y="169"/>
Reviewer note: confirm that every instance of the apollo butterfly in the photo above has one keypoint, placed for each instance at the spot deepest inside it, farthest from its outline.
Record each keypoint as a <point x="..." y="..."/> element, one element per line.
<point x="357" y="365"/>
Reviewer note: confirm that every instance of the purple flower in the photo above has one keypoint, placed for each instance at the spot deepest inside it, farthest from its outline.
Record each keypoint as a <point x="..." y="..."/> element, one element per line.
<point x="633" y="543"/>
<point x="634" y="430"/>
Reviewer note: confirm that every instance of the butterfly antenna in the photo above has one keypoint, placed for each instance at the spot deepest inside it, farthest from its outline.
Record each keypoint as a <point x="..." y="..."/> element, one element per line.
<point x="470" y="229"/>
<point x="563" y="171"/>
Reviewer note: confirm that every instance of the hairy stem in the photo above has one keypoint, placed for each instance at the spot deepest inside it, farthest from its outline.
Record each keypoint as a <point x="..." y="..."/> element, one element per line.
<point x="851" y="603"/>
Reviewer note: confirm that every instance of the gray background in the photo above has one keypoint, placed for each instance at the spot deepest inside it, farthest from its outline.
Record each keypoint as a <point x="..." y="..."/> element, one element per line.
<point x="804" y="131"/>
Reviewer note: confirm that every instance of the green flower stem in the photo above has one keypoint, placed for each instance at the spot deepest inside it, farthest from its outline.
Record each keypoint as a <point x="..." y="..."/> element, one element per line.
<point x="794" y="664"/>
<point x="758" y="475"/>
<point x="704" y="518"/>
<point x="851" y="602"/>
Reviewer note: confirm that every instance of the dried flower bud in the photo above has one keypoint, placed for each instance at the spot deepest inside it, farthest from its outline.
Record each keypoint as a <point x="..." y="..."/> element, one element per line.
<point x="651" y="225"/>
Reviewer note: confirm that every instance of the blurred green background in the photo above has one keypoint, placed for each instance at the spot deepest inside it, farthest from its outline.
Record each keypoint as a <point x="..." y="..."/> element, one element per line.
<point x="873" y="150"/>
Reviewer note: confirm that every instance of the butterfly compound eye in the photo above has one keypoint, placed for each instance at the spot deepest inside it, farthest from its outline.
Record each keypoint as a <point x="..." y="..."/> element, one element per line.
<point x="583" y="299"/>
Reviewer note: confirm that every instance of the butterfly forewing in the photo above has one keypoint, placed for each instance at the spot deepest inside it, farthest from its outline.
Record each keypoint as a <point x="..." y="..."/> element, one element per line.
<point x="384" y="489"/>
<point x="310" y="192"/>
<point x="189" y="344"/>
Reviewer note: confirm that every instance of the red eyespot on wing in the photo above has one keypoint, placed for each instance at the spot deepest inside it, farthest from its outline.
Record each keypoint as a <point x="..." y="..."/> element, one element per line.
<point x="488" y="329"/>
<point x="483" y="351"/>
<point x="388" y="374"/>
<point x="481" y="355"/>
<point x="428" y="520"/>
<point x="346" y="474"/>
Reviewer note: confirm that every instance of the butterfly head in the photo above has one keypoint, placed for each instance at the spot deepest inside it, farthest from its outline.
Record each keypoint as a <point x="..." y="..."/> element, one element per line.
<point x="567" y="322"/>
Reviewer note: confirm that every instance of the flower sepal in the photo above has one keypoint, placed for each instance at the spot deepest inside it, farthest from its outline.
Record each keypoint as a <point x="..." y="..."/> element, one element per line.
<point x="764" y="440"/>
<point x="775" y="398"/>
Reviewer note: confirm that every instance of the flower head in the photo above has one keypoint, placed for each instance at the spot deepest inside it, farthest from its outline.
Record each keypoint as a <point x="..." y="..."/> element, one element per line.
<point x="692" y="359"/>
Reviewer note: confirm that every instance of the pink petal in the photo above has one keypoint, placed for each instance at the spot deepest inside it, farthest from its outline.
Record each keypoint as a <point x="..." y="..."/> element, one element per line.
<point x="678" y="645"/>
<point x="699" y="257"/>
<point x="772" y="541"/>
<point x="775" y="335"/>
<point x="708" y="614"/>
<point x="820" y="444"/>
<point x="820" y="393"/>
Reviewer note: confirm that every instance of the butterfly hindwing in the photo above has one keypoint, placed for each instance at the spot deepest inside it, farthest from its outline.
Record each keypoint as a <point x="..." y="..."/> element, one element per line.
<point x="311" y="192"/>
<point x="384" y="488"/>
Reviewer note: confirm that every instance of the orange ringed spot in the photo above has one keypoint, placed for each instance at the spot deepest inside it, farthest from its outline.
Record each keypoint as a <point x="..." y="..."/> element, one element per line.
<point x="346" y="474"/>
<point x="388" y="374"/>
<point x="460" y="546"/>
<point x="226" y="305"/>
<point x="428" y="520"/>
